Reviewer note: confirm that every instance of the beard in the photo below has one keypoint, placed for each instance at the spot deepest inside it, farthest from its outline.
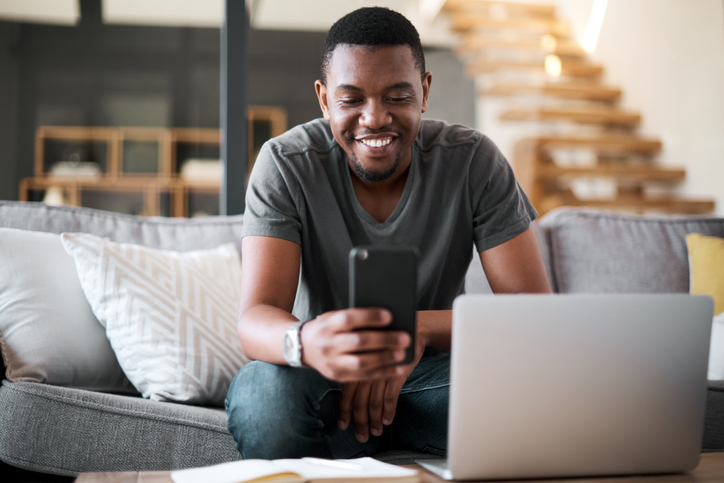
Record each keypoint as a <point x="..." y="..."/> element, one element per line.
<point x="371" y="176"/>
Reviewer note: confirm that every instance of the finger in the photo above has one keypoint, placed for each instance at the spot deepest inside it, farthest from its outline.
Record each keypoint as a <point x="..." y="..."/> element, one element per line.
<point x="392" y="393"/>
<point x="359" y="318"/>
<point x="370" y="365"/>
<point x="361" y="411"/>
<point x="377" y="396"/>
<point x="345" y="405"/>
<point x="372" y="340"/>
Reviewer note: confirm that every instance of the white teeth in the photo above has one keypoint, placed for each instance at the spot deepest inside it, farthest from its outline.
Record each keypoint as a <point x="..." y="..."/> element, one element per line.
<point x="377" y="143"/>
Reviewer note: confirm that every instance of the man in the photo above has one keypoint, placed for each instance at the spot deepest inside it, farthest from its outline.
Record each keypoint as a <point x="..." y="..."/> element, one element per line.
<point x="371" y="172"/>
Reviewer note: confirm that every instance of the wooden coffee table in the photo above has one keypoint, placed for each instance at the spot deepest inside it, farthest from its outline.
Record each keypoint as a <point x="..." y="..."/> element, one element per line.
<point x="710" y="470"/>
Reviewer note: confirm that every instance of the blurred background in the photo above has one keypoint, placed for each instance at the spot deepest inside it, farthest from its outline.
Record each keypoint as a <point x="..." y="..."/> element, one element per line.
<point x="115" y="104"/>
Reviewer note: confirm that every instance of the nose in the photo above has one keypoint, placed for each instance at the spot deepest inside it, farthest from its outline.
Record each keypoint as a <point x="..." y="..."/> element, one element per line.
<point x="374" y="115"/>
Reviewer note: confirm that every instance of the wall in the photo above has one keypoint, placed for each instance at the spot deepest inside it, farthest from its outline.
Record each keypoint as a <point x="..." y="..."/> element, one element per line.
<point x="668" y="56"/>
<point x="452" y="92"/>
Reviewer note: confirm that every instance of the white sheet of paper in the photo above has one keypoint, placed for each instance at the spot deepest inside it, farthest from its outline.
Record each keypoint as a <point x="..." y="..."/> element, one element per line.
<point x="369" y="468"/>
<point x="246" y="470"/>
<point x="232" y="472"/>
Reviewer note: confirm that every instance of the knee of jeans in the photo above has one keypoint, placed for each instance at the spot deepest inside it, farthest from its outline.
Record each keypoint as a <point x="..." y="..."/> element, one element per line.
<point x="266" y="404"/>
<point x="264" y="386"/>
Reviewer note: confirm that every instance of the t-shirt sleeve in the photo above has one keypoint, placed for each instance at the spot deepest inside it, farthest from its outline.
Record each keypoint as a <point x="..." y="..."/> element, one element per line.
<point x="271" y="208"/>
<point x="501" y="210"/>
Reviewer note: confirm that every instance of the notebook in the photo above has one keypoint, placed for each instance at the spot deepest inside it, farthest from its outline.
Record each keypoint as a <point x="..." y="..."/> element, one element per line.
<point x="576" y="385"/>
<point x="358" y="470"/>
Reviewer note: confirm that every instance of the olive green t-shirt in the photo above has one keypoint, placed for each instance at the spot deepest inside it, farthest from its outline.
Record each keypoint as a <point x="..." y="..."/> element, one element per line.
<point x="460" y="191"/>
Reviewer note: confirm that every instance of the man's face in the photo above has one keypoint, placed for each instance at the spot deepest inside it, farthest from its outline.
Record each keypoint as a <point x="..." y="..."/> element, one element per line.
<point x="374" y="100"/>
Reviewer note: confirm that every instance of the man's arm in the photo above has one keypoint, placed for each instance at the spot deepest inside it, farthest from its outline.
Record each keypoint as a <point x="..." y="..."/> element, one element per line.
<point x="515" y="266"/>
<point x="269" y="276"/>
<point x="333" y="343"/>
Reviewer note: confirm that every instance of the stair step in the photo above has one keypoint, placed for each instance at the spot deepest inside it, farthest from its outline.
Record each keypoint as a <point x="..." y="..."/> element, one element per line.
<point x="573" y="90"/>
<point x="634" y="173"/>
<point x="606" y="143"/>
<point x="503" y="8"/>
<point x="588" y="115"/>
<point x="562" y="47"/>
<point x="669" y="204"/>
<point x="568" y="69"/>
<point x="463" y="22"/>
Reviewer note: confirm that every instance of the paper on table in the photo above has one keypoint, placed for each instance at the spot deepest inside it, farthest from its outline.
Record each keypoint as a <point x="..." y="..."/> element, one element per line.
<point x="294" y="470"/>
<point x="235" y="472"/>
<point x="368" y="468"/>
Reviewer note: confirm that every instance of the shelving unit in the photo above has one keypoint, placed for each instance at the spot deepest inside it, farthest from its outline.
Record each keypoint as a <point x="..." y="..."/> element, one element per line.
<point x="143" y="151"/>
<point x="139" y="168"/>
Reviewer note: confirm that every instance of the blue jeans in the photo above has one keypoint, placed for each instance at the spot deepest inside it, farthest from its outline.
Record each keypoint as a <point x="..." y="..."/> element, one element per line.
<point x="282" y="412"/>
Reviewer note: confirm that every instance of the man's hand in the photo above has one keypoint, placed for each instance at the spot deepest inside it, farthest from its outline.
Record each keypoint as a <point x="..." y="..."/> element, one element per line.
<point x="346" y="346"/>
<point x="375" y="402"/>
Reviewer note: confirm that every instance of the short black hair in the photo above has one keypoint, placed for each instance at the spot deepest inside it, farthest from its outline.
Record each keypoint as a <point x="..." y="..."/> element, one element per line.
<point x="373" y="26"/>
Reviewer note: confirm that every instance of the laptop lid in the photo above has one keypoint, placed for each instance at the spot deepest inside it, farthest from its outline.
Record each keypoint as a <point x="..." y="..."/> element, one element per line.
<point x="577" y="385"/>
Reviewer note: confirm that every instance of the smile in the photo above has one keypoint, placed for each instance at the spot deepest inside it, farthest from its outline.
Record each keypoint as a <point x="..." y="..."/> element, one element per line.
<point x="376" y="143"/>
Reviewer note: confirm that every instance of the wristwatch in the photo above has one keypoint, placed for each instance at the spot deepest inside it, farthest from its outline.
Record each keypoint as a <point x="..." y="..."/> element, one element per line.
<point x="292" y="344"/>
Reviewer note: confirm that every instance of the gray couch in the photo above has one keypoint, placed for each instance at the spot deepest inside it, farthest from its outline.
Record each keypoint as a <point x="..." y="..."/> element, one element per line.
<point x="49" y="427"/>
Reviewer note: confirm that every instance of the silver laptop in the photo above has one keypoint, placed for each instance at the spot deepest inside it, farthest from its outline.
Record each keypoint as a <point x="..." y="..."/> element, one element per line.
<point x="576" y="385"/>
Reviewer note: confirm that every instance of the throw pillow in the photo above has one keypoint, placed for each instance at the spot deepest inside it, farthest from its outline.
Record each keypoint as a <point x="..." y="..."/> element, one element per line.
<point x="170" y="316"/>
<point x="706" y="267"/>
<point x="48" y="332"/>
<point x="716" y="349"/>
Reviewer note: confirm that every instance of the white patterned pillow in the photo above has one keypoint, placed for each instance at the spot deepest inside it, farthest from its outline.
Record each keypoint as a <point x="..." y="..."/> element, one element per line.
<point x="716" y="349"/>
<point x="170" y="316"/>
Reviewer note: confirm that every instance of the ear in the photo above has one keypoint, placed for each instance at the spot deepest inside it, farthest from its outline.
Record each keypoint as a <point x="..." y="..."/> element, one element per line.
<point x="426" y="83"/>
<point x="322" y="97"/>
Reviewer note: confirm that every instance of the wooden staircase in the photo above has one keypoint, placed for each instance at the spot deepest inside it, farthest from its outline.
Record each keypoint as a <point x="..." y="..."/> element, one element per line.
<point x="525" y="56"/>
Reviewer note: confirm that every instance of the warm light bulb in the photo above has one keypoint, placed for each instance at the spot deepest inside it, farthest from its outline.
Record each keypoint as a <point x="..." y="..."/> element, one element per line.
<point x="553" y="65"/>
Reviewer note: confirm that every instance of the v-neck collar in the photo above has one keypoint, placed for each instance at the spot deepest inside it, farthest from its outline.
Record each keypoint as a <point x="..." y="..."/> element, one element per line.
<point x="362" y="213"/>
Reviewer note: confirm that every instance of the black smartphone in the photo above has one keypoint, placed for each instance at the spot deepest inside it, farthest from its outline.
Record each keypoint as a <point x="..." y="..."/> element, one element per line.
<point x="386" y="277"/>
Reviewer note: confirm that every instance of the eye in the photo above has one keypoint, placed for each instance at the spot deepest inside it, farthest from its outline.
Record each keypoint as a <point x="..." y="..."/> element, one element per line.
<point x="349" y="102"/>
<point x="399" y="98"/>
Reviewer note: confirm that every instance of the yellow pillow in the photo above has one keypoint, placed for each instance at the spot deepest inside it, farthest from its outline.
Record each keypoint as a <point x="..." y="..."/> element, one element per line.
<point x="706" y="267"/>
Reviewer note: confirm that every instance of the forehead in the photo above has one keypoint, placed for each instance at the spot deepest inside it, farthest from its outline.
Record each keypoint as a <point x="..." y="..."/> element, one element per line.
<point x="361" y="64"/>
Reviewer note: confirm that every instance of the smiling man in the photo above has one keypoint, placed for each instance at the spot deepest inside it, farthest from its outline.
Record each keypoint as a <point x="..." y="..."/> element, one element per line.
<point x="324" y="380"/>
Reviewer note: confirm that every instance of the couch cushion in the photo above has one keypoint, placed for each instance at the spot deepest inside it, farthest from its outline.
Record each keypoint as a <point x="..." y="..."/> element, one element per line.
<point x="68" y="431"/>
<point x="714" y="418"/>
<point x="47" y="330"/>
<point x="180" y="234"/>
<point x="599" y="252"/>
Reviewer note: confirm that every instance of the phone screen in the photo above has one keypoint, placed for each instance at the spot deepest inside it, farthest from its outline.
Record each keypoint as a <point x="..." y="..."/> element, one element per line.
<point x="386" y="277"/>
